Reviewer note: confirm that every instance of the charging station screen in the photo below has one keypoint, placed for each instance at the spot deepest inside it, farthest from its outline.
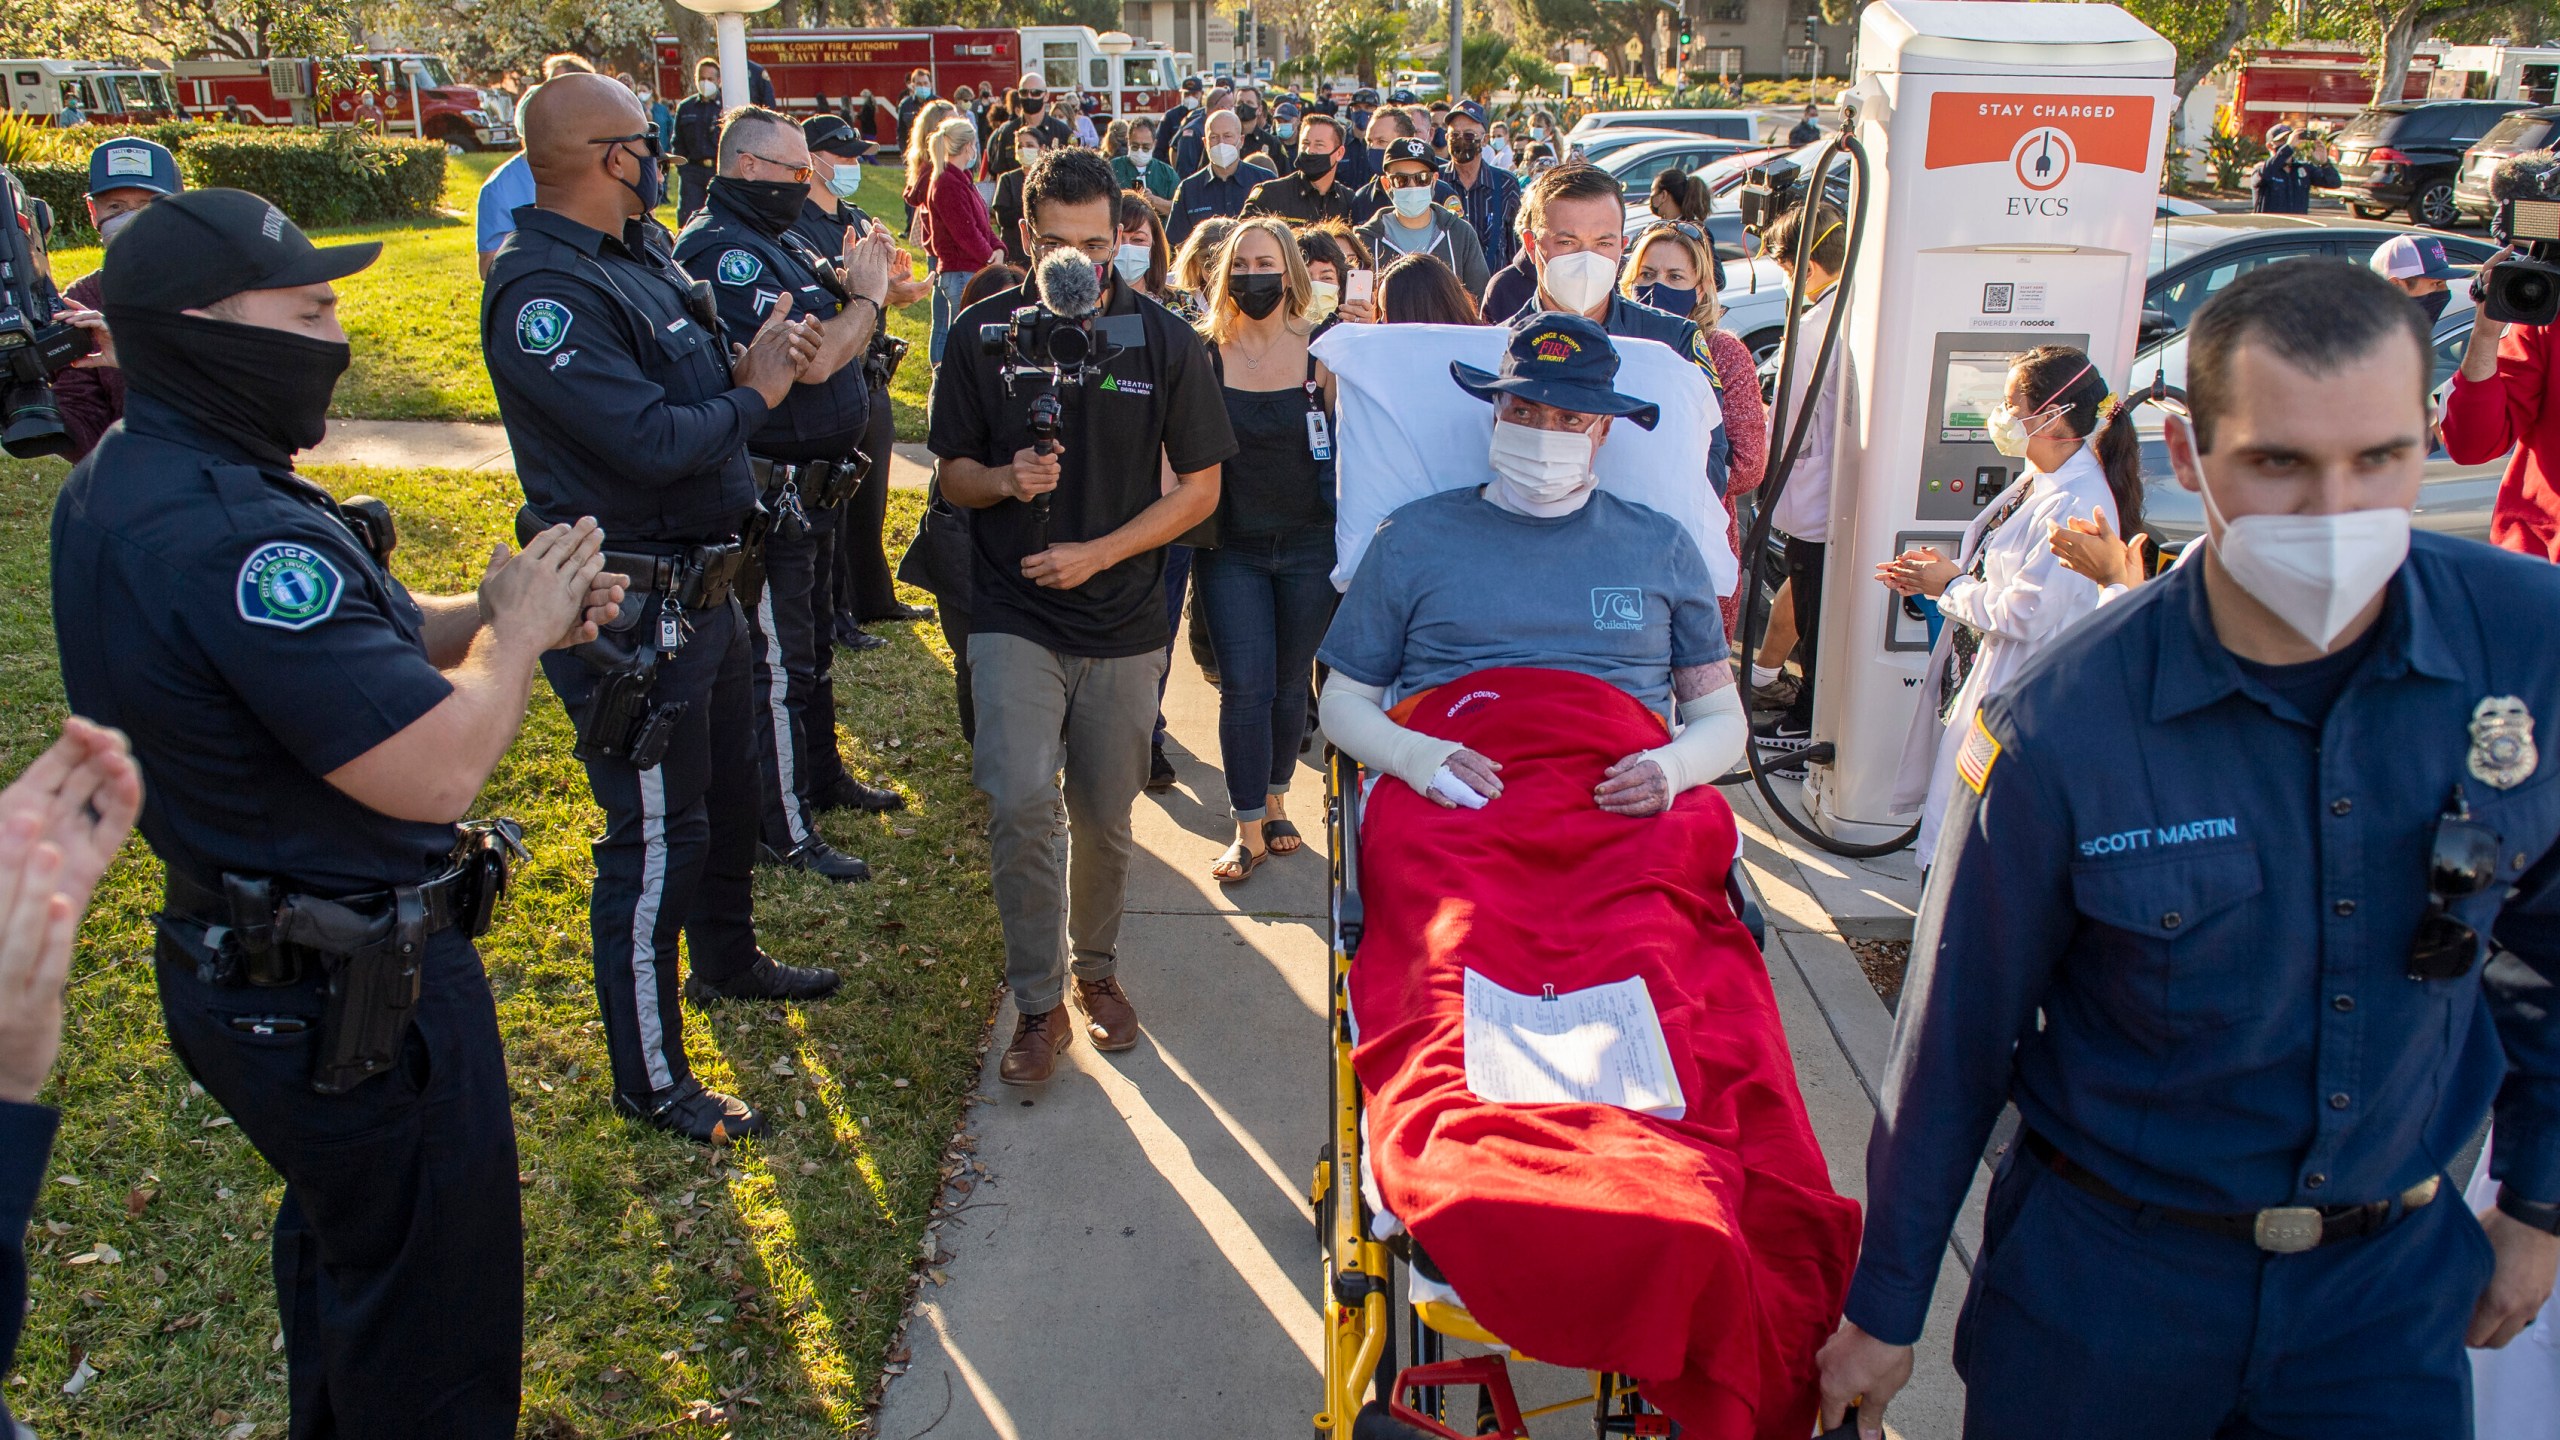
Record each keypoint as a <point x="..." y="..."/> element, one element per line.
<point x="1976" y="380"/>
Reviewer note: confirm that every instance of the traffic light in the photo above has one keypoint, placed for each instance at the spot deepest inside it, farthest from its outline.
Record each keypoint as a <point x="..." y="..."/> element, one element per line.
<point x="1812" y="31"/>
<point x="1688" y="34"/>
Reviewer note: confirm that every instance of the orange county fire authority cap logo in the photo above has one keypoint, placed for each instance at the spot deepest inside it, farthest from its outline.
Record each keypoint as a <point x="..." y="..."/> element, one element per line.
<point x="1552" y="346"/>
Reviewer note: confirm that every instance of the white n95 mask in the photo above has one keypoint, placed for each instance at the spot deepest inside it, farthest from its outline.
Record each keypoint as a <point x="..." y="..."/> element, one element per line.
<point x="1579" y="281"/>
<point x="1543" y="472"/>
<point x="1224" y="156"/>
<point x="2316" y="572"/>
<point x="1323" y="298"/>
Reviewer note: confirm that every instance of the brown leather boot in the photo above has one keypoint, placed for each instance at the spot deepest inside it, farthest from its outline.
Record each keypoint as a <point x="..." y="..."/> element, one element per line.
<point x="1037" y="1039"/>
<point x="1109" y="1017"/>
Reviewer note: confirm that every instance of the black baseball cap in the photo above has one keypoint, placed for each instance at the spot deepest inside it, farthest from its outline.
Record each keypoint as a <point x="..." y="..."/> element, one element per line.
<point x="191" y="249"/>
<point x="1408" y="148"/>
<point x="1190" y="84"/>
<point x="834" y="135"/>
<point x="1566" y="361"/>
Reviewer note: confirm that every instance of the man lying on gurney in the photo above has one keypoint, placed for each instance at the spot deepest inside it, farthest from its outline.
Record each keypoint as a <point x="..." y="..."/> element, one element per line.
<point x="1536" y="568"/>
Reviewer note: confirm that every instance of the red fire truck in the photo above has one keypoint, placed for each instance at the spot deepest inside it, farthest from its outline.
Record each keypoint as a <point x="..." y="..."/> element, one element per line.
<point x="416" y="95"/>
<point x="2324" y="82"/>
<point x="838" y="65"/>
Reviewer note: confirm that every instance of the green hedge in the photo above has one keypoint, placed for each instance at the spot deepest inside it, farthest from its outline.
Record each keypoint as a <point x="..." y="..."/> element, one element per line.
<point x="319" y="178"/>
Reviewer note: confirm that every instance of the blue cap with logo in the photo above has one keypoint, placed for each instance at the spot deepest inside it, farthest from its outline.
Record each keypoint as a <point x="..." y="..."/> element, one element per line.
<point x="1561" y="360"/>
<point x="1468" y="108"/>
<point x="130" y="162"/>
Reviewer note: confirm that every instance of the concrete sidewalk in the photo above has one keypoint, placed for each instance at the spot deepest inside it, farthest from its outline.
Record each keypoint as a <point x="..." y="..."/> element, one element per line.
<point x="478" y="445"/>
<point x="1139" y="1259"/>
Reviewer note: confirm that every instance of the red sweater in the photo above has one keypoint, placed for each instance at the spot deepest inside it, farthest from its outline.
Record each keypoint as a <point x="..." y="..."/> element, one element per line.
<point x="91" y="399"/>
<point x="2514" y="410"/>
<point x="958" y="233"/>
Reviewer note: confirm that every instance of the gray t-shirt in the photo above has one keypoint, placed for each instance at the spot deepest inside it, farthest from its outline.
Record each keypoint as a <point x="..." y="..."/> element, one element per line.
<point x="1453" y="584"/>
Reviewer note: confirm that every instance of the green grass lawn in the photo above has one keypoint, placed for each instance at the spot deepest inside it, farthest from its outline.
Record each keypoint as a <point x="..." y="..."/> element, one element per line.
<point x="414" y="316"/>
<point x="669" y="1288"/>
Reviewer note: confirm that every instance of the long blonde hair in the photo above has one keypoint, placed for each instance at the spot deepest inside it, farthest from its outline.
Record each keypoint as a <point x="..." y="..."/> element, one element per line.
<point x="954" y="139"/>
<point x="1199" y="250"/>
<point x="1218" y="318"/>
<point x="1709" y="309"/>
<point x="920" y="135"/>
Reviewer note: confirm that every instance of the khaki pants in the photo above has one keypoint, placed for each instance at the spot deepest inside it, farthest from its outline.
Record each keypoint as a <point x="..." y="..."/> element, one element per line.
<point x="1040" y="713"/>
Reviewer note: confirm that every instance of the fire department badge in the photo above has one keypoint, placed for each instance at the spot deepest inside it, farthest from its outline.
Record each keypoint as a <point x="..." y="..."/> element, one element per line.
<point x="2502" y="750"/>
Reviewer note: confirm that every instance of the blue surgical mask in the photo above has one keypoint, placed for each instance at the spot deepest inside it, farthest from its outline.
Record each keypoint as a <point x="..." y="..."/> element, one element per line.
<point x="844" y="180"/>
<point x="1678" y="299"/>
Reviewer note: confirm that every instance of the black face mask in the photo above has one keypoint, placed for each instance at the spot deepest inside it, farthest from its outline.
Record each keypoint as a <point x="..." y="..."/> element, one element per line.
<point x="266" y="390"/>
<point x="1314" y="166"/>
<point x="1465" y="147"/>
<point x="2434" y="305"/>
<point x="1255" y="295"/>
<point x="1032" y="104"/>
<point x="651" y="187"/>
<point x="773" y="205"/>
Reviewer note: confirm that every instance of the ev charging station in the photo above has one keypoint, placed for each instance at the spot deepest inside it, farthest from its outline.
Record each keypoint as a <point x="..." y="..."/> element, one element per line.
<point x="2014" y="152"/>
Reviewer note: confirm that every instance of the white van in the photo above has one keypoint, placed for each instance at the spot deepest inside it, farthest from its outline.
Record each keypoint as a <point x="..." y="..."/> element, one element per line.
<point x="1721" y="124"/>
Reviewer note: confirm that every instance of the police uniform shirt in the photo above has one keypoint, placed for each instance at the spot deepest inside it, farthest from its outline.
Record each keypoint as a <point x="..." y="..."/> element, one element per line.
<point x="2188" y="966"/>
<point x="823" y="230"/>
<point x="1131" y="406"/>
<point x="1204" y="193"/>
<point x="618" y="401"/>
<point x="216" y="610"/>
<point x="1294" y="198"/>
<point x="749" y="271"/>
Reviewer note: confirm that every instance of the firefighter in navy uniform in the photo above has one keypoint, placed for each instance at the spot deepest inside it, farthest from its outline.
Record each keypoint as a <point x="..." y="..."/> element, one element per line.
<point x="806" y="457"/>
<point x="860" y="592"/>
<point x="310" y="732"/>
<point x="623" y="402"/>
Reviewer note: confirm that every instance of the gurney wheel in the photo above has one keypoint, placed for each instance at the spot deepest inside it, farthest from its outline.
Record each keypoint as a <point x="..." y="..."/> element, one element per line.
<point x="1374" y="1423"/>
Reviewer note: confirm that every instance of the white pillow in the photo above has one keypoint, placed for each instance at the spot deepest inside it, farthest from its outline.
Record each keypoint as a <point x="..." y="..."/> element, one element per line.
<point x="1405" y="430"/>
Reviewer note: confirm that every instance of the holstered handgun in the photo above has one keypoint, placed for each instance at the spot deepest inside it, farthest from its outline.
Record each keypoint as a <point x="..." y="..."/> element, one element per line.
<point x="251" y="899"/>
<point x="485" y="857"/>
<point x="373" y="965"/>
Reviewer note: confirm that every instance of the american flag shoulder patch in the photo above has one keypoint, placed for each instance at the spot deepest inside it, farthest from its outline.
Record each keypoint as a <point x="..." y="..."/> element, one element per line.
<point x="1980" y="751"/>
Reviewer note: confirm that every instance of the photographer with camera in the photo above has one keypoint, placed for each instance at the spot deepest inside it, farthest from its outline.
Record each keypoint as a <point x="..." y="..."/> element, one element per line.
<point x="1056" y="407"/>
<point x="807" y="459"/>
<point x="623" y="402"/>
<point x="125" y="174"/>
<point x="312" y="733"/>
<point x="2502" y="401"/>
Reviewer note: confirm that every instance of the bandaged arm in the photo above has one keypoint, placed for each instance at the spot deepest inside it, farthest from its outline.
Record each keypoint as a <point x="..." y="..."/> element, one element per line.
<point x="1355" y="718"/>
<point x="1713" y="730"/>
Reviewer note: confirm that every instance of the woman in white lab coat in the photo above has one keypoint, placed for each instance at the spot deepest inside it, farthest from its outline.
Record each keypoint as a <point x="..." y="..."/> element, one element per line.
<point x="2005" y="595"/>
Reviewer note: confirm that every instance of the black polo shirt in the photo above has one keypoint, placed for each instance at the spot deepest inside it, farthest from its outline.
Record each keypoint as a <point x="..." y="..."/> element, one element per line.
<point x="1161" y="400"/>
<point x="1296" y="199"/>
<point x="213" y="607"/>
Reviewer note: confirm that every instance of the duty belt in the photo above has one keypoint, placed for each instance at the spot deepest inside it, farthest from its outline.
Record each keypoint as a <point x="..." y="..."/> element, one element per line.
<point x="2281" y="1229"/>
<point x="821" y="484"/>
<point x="699" y="577"/>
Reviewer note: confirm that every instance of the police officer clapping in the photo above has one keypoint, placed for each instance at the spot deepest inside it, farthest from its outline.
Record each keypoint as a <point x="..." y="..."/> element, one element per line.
<point x="2254" y="991"/>
<point x="806" y="458"/>
<point x="311" y="733"/>
<point x="623" y="402"/>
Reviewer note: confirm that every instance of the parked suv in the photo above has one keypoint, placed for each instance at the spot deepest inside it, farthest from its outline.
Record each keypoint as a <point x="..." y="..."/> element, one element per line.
<point x="2394" y="157"/>
<point x="2535" y="129"/>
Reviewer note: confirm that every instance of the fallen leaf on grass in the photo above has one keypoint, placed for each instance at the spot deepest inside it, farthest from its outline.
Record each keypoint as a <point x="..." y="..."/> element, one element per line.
<point x="241" y="1431"/>
<point x="217" y="1122"/>
<point x="69" y="1180"/>
<point x="80" y="1377"/>
<point x="136" y="1199"/>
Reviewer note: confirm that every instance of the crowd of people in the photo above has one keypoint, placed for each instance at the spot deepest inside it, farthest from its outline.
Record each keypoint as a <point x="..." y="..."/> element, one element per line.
<point x="701" y="426"/>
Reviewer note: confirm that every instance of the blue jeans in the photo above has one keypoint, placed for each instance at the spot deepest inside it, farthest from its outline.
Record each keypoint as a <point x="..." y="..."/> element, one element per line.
<point x="947" y="285"/>
<point x="1268" y="599"/>
<point x="1177" y="583"/>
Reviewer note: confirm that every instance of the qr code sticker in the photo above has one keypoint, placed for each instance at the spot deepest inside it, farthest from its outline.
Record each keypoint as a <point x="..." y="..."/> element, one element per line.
<point x="1998" y="297"/>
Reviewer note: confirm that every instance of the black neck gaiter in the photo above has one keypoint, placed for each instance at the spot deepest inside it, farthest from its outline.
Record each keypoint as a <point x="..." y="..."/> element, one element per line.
<point x="771" y="204"/>
<point x="266" y="390"/>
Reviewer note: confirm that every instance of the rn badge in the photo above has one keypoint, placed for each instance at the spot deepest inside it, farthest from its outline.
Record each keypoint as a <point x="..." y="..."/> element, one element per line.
<point x="2502" y="752"/>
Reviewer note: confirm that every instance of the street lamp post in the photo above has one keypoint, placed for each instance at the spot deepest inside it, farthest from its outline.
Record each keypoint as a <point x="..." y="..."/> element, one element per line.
<point x="729" y="31"/>
<point x="1454" y="76"/>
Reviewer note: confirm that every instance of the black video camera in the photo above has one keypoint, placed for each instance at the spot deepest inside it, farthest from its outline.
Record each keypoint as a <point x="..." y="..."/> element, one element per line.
<point x="1770" y="191"/>
<point x="2524" y="289"/>
<point x="34" y="346"/>
<point x="1036" y="339"/>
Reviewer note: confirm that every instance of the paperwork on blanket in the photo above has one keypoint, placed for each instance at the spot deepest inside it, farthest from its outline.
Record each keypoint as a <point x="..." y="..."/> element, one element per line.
<point x="1406" y="431"/>
<point x="1598" y="1046"/>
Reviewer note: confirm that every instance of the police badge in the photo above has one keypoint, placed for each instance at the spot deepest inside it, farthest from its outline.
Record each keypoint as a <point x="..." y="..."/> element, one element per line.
<point x="2502" y="750"/>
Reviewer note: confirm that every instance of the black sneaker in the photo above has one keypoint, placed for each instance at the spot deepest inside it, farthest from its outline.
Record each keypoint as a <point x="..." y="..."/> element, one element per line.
<point x="1160" y="776"/>
<point x="899" y="613"/>
<point x="767" y="979"/>
<point x="818" y="858"/>
<point x="696" y="1113"/>
<point x="1781" y="727"/>
<point x="851" y="794"/>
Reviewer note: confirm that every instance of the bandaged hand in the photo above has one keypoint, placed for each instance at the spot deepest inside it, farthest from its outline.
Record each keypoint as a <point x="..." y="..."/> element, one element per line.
<point x="1466" y="779"/>
<point x="1442" y="771"/>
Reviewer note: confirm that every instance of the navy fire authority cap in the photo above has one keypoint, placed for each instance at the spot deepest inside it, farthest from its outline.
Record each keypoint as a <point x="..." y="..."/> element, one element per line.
<point x="190" y="250"/>
<point x="831" y="133"/>
<point x="130" y="162"/>
<point x="1468" y="108"/>
<point x="1561" y="360"/>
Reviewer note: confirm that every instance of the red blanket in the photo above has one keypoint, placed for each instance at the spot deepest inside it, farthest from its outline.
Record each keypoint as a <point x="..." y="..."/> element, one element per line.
<point x="1707" y="1256"/>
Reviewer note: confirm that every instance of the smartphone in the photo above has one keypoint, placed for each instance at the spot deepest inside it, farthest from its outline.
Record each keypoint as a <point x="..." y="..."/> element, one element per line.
<point x="1359" y="287"/>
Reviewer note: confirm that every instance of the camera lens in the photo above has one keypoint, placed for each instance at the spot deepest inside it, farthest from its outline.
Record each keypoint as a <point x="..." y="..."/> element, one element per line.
<point x="1068" y="345"/>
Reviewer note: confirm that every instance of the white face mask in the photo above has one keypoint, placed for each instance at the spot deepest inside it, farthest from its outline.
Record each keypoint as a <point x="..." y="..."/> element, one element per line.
<point x="2010" y="432"/>
<point x="1132" y="262"/>
<point x="2316" y="572"/>
<point x="1141" y="154"/>
<point x="1541" y="472"/>
<point x="710" y="88"/>
<point x="1411" y="201"/>
<point x="1224" y="157"/>
<point x="108" y="227"/>
<point x="1323" y="297"/>
<point x="1580" y="281"/>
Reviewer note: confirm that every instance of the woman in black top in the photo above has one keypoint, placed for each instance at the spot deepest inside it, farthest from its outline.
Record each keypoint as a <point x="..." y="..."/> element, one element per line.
<point x="1267" y="589"/>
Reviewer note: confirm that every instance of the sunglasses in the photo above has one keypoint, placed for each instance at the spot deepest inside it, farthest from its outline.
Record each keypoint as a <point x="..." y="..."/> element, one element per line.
<point x="1409" y="182"/>
<point x="2463" y="863"/>
<point x="646" y="139"/>
<point x="799" y="172"/>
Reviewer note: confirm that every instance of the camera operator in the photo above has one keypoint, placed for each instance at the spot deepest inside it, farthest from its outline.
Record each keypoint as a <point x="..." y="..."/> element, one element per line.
<point x="125" y="174"/>
<point x="622" y="402"/>
<point x="807" y="459"/>
<point x="312" y="733"/>
<point x="1068" y="627"/>
<point x="2503" y="403"/>
<point x="858" y="590"/>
